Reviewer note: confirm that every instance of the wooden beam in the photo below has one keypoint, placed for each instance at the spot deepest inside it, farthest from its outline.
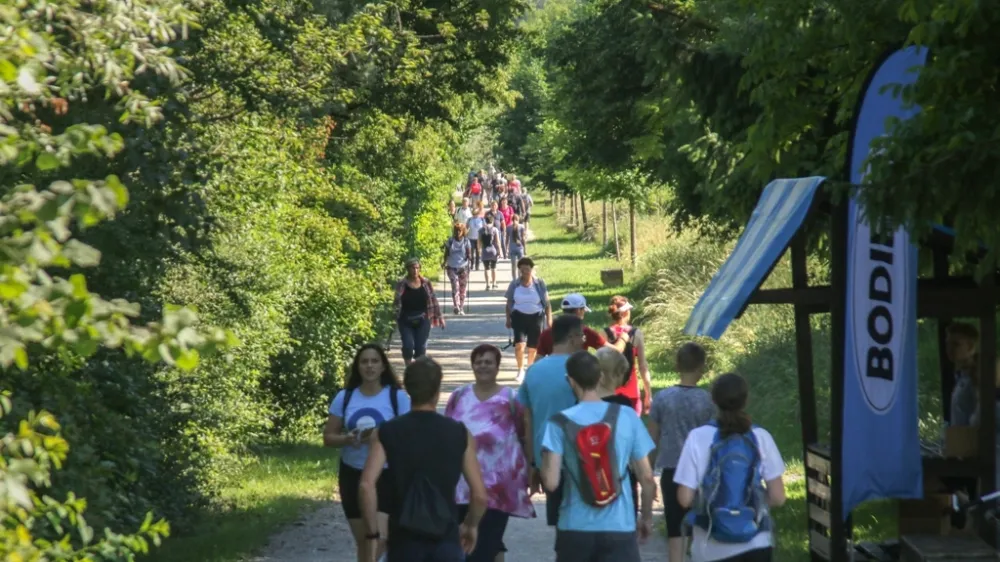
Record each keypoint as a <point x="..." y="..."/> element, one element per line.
<point x="951" y="297"/>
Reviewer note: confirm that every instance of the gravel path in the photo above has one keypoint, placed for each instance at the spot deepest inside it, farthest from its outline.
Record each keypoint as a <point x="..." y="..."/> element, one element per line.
<point x="323" y="535"/>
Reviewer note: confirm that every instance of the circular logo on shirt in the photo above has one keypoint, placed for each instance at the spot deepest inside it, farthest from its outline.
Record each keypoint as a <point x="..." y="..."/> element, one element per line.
<point x="365" y="418"/>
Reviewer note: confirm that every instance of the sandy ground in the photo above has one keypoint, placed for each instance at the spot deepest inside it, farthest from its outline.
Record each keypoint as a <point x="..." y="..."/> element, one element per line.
<point x="323" y="536"/>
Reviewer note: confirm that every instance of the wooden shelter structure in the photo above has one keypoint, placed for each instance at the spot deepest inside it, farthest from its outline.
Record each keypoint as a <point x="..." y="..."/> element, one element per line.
<point x="788" y="213"/>
<point x="940" y="296"/>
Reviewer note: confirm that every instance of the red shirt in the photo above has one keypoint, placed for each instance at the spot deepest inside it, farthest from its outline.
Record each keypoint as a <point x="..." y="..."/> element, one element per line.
<point x="592" y="340"/>
<point x="508" y="214"/>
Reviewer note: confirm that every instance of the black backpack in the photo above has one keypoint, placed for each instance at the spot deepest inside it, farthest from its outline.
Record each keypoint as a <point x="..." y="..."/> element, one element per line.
<point x="424" y="511"/>
<point x="486" y="235"/>
<point x="628" y="352"/>
<point x="393" y="399"/>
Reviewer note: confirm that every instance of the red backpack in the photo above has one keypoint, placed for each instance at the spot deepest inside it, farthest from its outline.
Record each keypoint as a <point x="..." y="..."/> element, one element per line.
<point x="590" y="458"/>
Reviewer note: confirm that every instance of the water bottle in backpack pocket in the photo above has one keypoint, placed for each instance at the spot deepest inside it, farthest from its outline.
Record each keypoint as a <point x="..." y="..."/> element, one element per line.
<point x="731" y="505"/>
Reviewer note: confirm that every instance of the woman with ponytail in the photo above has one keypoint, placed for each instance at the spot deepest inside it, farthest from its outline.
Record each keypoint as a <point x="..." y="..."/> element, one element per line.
<point x="729" y="393"/>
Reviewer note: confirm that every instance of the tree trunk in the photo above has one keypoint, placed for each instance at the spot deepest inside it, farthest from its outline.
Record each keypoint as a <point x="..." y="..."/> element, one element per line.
<point x="572" y="210"/>
<point x="614" y="225"/>
<point x="631" y="231"/>
<point x="604" y="223"/>
<point x="583" y="214"/>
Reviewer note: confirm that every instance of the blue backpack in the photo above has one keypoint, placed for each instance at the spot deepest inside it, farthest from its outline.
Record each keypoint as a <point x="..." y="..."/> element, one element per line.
<point x="731" y="504"/>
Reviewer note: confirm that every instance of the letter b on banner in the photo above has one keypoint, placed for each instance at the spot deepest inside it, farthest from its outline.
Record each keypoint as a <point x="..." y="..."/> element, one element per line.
<point x="877" y="310"/>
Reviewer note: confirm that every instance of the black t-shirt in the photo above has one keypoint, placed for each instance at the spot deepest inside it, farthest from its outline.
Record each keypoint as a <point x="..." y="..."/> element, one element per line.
<point x="427" y="442"/>
<point x="414" y="301"/>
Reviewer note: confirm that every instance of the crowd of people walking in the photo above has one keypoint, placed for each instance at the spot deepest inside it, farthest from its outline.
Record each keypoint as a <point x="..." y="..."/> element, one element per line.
<point x="417" y="485"/>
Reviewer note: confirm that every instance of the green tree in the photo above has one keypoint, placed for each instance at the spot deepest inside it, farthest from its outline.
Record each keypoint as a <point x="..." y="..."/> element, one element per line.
<point x="43" y="311"/>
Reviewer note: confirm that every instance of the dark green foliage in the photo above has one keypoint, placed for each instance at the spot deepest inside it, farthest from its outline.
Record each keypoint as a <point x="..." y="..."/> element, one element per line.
<point x="714" y="99"/>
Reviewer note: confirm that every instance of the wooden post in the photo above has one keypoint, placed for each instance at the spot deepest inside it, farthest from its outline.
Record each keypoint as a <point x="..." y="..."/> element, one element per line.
<point x="803" y="346"/>
<point x="631" y="231"/>
<point x="945" y="364"/>
<point x="604" y="223"/>
<point x="840" y="529"/>
<point x="614" y="225"/>
<point x="583" y="214"/>
<point x="987" y="397"/>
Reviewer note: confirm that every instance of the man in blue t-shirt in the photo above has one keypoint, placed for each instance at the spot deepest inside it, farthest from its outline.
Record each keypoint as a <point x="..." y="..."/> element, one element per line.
<point x="611" y="529"/>
<point x="544" y="393"/>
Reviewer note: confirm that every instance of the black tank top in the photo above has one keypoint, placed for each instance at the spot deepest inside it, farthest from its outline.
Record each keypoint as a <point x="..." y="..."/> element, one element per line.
<point x="423" y="442"/>
<point x="414" y="301"/>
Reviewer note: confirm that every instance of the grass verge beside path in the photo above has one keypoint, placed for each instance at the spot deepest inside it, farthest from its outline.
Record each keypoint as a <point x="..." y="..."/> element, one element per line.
<point x="283" y="482"/>
<point x="570" y="265"/>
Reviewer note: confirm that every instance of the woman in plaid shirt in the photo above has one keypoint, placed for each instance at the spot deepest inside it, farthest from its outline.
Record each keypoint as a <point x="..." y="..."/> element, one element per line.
<point x="417" y="310"/>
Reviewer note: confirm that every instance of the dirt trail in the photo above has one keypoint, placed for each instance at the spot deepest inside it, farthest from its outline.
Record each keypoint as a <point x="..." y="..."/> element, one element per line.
<point x="323" y="535"/>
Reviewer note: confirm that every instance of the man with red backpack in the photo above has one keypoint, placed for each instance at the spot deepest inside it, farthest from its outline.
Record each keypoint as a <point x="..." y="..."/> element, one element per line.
<point x="593" y="444"/>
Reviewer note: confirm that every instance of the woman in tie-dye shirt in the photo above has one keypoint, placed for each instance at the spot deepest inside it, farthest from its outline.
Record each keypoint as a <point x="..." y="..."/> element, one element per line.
<point x="494" y="417"/>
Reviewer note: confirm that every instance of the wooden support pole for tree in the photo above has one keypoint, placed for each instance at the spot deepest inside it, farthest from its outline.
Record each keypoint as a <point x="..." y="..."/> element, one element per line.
<point x="631" y="231"/>
<point x="604" y="223"/>
<point x="614" y="225"/>
<point x="583" y="214"/>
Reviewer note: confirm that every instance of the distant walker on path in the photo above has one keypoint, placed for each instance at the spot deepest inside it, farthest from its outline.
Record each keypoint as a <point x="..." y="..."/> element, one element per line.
<point x="417" y="310"/>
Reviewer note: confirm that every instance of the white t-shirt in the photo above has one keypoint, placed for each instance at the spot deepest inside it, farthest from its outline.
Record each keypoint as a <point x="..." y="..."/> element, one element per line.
<point x="526" y="299"/>
<point x="691" y="468"/>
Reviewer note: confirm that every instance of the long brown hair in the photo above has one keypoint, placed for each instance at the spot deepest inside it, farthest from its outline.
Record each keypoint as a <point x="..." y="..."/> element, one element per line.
<point x="730" y="392"/>
<point x="388" y="377"/>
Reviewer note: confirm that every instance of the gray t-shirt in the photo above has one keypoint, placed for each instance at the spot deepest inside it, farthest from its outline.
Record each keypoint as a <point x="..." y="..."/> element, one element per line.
<point x="678" y="410"/>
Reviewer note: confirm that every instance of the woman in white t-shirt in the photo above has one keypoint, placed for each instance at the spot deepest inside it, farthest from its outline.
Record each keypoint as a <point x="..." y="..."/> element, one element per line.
<point x="371" y="397"/>
<point x="529" y="312"/>
<point x="729" y="392"/>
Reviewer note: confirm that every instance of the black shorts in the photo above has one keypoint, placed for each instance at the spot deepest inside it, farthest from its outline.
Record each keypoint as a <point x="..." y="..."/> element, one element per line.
<point x="491" y="529"/>
<point x="489" y="264"/>
<point x="572" y="546"/>
<point x="349" y="479"/>
<point x="527" y="327"/>
<point x="672" y="511"/>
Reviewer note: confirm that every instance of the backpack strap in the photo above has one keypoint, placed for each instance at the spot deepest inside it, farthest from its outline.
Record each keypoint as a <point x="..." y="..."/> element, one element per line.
<point x="347" y="398"/>
<point x="394" y="400"/>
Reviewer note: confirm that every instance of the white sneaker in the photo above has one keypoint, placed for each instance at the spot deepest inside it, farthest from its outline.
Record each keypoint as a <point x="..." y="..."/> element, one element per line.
<point x="520" y="376"/>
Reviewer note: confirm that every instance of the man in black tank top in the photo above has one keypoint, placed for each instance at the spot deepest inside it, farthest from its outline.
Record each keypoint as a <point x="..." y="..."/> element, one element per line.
<point x="428" y="453"/>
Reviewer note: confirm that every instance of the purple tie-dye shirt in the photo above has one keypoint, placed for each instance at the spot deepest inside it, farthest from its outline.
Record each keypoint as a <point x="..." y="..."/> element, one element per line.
<point x="496" y="424"/>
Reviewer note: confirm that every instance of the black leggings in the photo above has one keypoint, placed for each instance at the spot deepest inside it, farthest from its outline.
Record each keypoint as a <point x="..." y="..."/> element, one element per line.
<point x="476" y="256"/>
